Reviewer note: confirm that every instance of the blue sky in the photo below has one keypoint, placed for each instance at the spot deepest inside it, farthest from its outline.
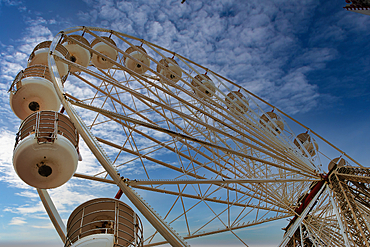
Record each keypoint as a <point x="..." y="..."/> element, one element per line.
<point x="309" y="58"/>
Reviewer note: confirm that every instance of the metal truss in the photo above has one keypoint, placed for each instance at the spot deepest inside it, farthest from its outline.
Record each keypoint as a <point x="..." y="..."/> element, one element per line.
<point x="350" y="187"/>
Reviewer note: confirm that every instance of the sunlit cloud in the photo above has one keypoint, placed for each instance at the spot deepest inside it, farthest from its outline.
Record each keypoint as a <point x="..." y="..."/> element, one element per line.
<point x="226" y="41"/>
<point x="48" y="226"/>
<point x="17" y="221"/>
<point x="6" y="165"/>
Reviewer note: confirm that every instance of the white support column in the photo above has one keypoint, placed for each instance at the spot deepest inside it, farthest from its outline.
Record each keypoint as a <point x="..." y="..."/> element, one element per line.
<point x="336" y="211"/>
<point x="312" y="235"/>
<point x="301" y="233"/>
<point x="53" y="214"/>
<point x="215" y="181"/>
<point x="300" y="218"/>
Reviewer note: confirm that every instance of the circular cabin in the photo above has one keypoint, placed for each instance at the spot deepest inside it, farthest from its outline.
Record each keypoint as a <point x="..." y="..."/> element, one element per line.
<point x="236" y="101"/>
<point x="45" y="154"/>
<point x="78" y="54"/>
<point x="272" y="120"/>
<point x="32" y="90"/>
<point x="137" y="59"/>
<point x="39" y="56"/>
<point x="306" y="142"/>
<point x="104" y="222"/>
<point x="98" y="45"/>
<point x="337" y="161"/>
<point x="203" y="86"/>
<point x="170" y="69"/>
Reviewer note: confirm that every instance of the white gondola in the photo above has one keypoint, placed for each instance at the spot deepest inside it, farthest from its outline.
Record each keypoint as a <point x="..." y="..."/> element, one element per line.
<point x="236" y="101"/>
<point x="45" y="155"/>
<point x="32" y="90"/>
<point x="39" y="56"/>
<point x="308" y="143"/>
<point x="338" y="162"/>
<point x="98" y="45"/>
<point x="104" y="222"/>
<point x="78" y="54"/>
<point x="203" y="86"/>
<point x="170" y="69"/>
<point x="138" y="53"/>
<point x="273" y="121"/>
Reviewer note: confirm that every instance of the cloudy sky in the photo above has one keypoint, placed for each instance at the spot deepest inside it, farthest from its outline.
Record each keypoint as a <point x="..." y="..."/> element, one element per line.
<point x="309" y="58"/>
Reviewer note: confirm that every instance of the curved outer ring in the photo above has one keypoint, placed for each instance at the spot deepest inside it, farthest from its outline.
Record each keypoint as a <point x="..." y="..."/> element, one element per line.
<point x="145" y="209"/>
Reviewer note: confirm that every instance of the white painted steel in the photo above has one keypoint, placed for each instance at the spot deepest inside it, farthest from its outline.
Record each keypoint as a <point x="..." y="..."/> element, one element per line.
<point x="172" y="72"/>
<point x="41" y="57"/>
<point x="81" y="55"/>
<point x="106" y="50"/>
<point x="242" y="153"/>
<point x="34" y="89"/>
<point x="214" y="181"/>
<point x="288" y="235"/>
<point x="135" y="66"/>
<point x="96" y="240"/>
<point x="337" y="214"/>
<point x="61" y="156"/>
<point x="53" y="213"/>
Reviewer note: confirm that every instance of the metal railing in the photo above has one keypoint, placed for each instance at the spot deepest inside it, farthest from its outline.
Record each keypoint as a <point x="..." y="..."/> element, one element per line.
<point x="32" y="71"/>
<point x="46" y="44"/>
<point x="105" y="216"/>
<point x="47" y="125"/>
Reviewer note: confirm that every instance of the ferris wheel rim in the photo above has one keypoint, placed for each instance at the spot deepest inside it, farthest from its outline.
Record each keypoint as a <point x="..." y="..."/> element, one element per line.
<point x="59" y="84"/>
<point x="69" y="108"/>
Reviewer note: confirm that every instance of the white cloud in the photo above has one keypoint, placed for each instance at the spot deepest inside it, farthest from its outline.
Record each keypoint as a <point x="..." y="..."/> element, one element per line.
<point x="48" y="226"/>
<point x="6" y="167"/>
<point x="28" y="194"/>
<point x="238" y="40"/>
<point x="69" y="195"/>
<point x="26" y="209"/>
<point x="11" y="2"/>
<point x="17" y="221"/>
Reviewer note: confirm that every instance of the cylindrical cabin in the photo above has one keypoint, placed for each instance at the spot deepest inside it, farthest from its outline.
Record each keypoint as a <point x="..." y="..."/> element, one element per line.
<point x="170" y="69"/>
<point x="39" y="56"/>
<point x="45" y="154"/>
<point x="273" y="120"/>
<point x="337" y="161"/>
<point x="98" y="45"/>
<point x="138" y="53"/>
<point x="308" y="143"/>
<point x="78" y="54"/>
<point x="104" y="222"/>
<point x="32" y="90"/>
<point x="204" y="86"/>
<point x="236" y="101"/>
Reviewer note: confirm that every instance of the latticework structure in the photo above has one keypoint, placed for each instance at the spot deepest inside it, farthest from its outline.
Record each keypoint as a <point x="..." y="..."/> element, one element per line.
<point x="198" y="154"/>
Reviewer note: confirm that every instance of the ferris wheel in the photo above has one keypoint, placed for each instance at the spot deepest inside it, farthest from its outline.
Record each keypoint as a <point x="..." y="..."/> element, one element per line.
<point x="196" y="154"/>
